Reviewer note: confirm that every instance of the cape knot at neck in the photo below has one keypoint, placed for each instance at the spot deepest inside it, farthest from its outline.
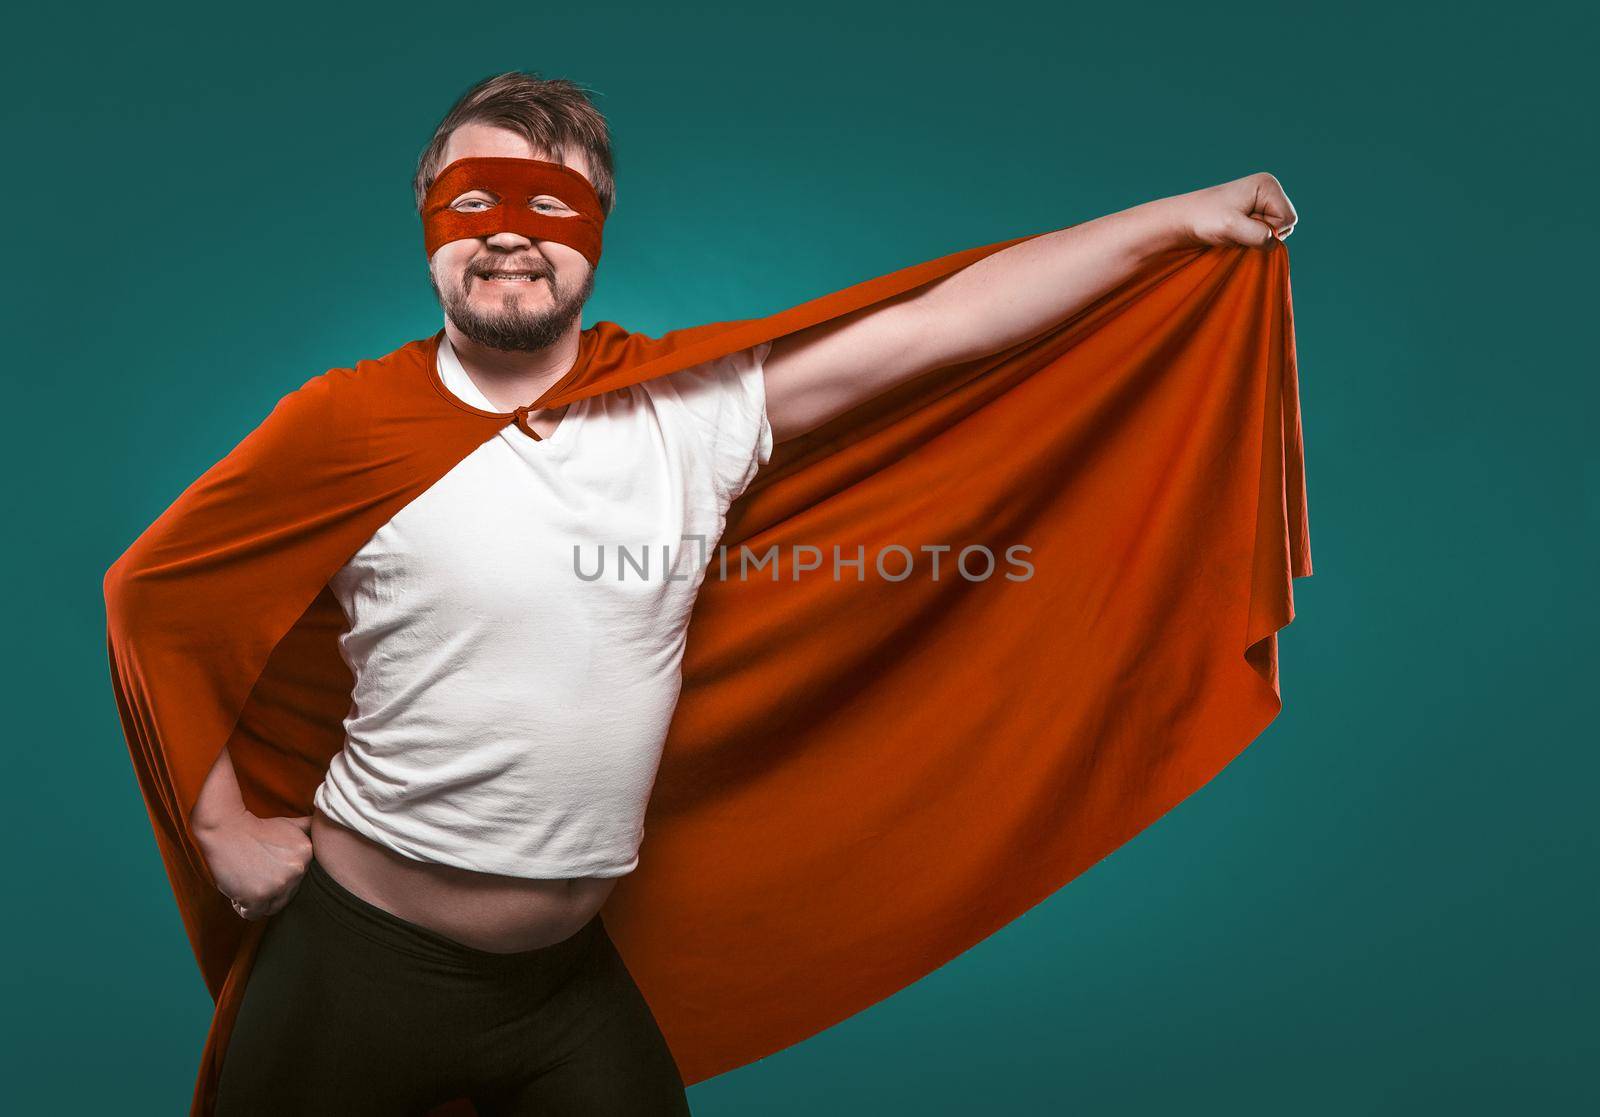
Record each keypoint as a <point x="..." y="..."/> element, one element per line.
<point x="520" y="416"/>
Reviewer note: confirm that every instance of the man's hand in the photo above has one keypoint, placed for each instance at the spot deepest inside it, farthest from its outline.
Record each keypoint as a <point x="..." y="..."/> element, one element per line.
<point x="257" y="862"/>
<point x="1248" y="211"/>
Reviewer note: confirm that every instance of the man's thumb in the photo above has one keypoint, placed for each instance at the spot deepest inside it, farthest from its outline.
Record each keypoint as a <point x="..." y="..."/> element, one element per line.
<point x="304" y="822"/>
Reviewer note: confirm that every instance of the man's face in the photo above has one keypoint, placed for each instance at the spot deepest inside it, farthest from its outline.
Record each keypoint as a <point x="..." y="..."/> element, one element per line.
<point x="506" y="291"/>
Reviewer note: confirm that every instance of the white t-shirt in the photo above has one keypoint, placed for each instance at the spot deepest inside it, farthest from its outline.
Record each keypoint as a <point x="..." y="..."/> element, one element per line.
<point x="512" y="694"/>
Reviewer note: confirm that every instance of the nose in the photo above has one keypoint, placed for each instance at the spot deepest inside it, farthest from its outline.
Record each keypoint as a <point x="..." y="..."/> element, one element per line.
<point x="508" y="240"/>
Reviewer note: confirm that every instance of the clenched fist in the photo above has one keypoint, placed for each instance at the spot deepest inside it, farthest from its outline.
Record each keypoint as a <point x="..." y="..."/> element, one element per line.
<point x="257" y="862"/>
<point x="1248" y="211"/>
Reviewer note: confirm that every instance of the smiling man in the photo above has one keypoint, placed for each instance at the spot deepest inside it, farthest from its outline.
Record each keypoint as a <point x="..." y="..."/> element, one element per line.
<point x="432" y="927"/>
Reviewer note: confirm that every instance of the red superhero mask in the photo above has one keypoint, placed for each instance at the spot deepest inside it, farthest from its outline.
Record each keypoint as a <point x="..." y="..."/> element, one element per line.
<point x="514" y="184"/>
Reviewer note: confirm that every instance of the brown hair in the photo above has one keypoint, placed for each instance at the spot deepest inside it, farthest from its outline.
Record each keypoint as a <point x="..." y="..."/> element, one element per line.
<point x="551" y="113"/>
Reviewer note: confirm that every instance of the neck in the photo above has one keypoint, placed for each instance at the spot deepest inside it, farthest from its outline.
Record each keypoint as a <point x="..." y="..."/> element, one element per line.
<point x="510" y="379"/>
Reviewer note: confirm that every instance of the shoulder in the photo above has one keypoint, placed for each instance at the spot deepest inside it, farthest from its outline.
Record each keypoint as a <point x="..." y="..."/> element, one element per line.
<point x="397" y="370"/>
<point x="725" y="399"/>
<point x="349" y="392"/>
<point x="331" y="417"/>
<point x="720" y="389"/>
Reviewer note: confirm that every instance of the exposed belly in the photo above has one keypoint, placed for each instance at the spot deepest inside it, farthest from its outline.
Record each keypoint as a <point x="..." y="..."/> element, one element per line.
<point x="482" y="910"/>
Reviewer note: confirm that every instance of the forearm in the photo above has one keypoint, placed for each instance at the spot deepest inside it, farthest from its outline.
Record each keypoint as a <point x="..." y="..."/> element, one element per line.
<point x="255" y="862"/>
<point x="1021" y="291"/>
<point x="220" y="801"/>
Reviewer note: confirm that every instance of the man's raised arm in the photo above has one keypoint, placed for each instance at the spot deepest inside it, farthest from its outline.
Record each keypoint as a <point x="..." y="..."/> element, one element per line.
<point x="815" y="374"/>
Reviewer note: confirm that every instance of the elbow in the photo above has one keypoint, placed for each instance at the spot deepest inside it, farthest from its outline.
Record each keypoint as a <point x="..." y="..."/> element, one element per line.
<point x="120" y="587"/>
<point x="114" y="586"/>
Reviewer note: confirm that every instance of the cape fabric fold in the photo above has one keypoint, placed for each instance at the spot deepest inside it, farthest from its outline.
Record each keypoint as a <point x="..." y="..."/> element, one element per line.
<point x="867" y="773"/>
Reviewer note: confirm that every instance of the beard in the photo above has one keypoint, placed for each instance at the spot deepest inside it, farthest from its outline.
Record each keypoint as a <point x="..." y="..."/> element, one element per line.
<point x="512" y="327"/>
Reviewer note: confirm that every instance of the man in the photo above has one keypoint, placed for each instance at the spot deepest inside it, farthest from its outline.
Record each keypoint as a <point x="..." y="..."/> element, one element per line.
<point x="433" y="925"/>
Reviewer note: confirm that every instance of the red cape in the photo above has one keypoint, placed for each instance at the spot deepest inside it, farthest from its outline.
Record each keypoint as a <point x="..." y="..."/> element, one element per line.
<point x="863" y="778"/>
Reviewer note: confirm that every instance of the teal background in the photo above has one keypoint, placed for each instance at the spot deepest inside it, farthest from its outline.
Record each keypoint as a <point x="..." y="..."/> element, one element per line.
<point x="1385" y="906"/>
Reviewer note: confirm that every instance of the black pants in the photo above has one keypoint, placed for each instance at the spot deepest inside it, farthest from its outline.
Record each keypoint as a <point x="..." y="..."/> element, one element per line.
<point x="355" y="1012"/>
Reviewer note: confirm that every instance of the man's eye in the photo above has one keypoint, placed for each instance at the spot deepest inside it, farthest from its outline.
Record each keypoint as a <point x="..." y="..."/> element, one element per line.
<point x="549" y="205"/>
